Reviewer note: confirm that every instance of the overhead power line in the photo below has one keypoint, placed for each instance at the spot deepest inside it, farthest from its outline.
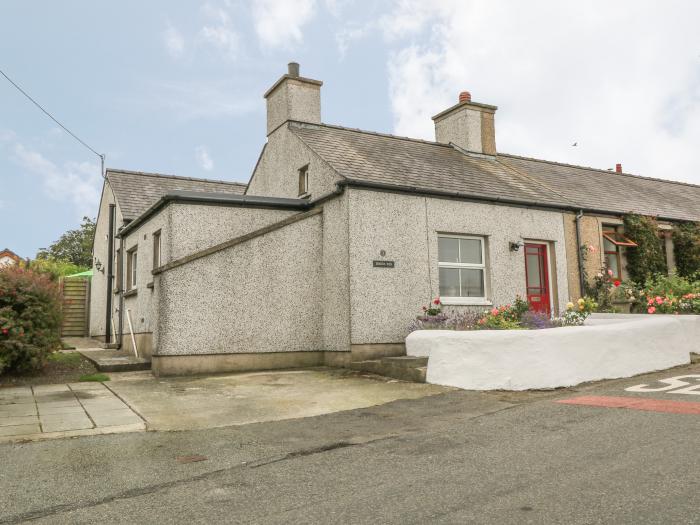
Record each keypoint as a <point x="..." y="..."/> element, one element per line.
<point x="100" y="155"/>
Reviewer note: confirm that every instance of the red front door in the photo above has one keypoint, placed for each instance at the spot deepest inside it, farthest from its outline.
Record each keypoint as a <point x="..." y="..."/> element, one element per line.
<point x="537" y="277"/>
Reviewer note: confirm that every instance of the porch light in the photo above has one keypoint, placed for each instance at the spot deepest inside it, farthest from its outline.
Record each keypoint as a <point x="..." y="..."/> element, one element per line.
<point x="515" y="246"/>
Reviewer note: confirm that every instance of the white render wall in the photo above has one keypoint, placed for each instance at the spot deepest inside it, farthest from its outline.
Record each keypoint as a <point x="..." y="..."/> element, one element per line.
<point x="383" y="301"/>
<point x="98" y="284"/>
<point x="263" y="295"/>
<point x="554" y="357"/>
<point x="277" y="172"/>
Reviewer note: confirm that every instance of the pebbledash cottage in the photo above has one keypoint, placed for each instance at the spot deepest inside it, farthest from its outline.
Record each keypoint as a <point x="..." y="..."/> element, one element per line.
<point x="342" y="235"/>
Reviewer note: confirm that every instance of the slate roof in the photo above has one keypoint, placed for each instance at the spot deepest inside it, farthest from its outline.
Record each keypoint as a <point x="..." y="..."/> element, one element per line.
<point x="137" y="191"/>
<point x="433" y="167"/>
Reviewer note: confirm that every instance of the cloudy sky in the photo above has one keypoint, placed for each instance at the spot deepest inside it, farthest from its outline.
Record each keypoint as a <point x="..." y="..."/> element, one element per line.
<point x="177" y="87"/>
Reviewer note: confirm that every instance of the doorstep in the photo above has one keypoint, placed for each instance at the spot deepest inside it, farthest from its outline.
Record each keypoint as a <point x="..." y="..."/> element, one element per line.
<point x="115" y="360"/>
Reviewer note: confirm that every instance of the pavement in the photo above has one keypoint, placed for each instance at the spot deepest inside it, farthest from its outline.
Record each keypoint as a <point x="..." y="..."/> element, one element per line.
<point x="65" y="410"/>
<point x="453" y="457"/>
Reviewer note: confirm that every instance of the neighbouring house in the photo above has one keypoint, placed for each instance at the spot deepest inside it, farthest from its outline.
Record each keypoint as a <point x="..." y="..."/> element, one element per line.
<point x="341" y="235"/>
<point x="8" y="258"/>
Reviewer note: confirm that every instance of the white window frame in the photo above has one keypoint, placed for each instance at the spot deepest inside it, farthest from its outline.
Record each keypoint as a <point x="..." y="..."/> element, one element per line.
<point x="304" y="175"/>
<point x="467" y="301"/>
<point x="157" y="249"/>
<point x="131" y="274"/>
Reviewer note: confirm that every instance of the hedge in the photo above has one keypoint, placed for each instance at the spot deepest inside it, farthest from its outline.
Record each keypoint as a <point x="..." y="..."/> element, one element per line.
<point x="30" y="319"/>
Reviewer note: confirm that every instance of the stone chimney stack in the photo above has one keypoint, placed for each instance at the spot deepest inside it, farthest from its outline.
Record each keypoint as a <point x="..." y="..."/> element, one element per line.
<point x="468" y="125"/>
<point x="293" y="97"/>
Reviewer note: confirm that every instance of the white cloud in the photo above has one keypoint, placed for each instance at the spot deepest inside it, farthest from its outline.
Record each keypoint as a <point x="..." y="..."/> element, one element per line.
<point x="219" y="31"/>
<point x="349" y="34"/>
<point x="78" y="182"/>
<point x="279" y="23"/>
<point x="203" y="158"/>
<point x="622" y="79"/>
<point x="174" y="41"/>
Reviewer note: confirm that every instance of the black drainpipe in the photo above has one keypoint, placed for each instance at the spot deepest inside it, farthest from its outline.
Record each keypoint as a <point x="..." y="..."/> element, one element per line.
<point x="110" y="276"/>
<point x="579" y="257"/>
<point x="120" y="277"/>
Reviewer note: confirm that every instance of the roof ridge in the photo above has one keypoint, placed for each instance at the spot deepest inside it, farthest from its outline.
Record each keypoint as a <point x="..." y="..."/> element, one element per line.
<point x="606" y="171"/>
<point x="366" y="132"/>
<point x="177" y="177"/>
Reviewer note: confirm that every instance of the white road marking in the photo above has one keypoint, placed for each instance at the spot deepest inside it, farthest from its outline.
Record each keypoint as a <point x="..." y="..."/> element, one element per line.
<point x="673" y="383"/>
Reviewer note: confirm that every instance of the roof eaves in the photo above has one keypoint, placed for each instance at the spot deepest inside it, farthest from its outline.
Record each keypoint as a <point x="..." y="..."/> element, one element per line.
<point x="216" y="199"/>
<point x="115" y="171"/>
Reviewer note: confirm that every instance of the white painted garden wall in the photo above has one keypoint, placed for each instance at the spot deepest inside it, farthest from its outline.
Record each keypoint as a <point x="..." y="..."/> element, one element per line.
<point x="605" y="348"/>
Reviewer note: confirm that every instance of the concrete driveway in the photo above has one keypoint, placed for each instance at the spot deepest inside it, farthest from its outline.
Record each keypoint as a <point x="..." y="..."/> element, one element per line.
<point x="184" y="403"/>
<point x="137" y="401"/>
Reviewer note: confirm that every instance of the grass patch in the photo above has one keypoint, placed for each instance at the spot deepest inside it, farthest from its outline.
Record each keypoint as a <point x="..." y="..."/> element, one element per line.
<point x="65" y="358"/>
<point x="66" y="346"/>
<point x="94" y="377"/>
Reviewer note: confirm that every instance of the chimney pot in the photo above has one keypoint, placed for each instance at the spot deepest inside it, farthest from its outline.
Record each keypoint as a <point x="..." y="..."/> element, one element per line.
<point x="618" y="168"/>
<point x="293" y="69"/>
<point x="465" y="96"/>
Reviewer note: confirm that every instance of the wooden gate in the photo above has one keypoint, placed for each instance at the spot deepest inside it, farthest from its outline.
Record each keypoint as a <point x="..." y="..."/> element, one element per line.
<point x="76" y="293"/>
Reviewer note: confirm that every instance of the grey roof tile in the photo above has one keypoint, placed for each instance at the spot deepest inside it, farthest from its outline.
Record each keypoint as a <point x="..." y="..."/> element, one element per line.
<point x="431" y="166"/>
<point x="137" y="191"/>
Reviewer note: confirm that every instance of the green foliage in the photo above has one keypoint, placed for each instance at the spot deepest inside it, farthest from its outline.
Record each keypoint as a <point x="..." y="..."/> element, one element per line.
<point x="55" y="269"/>
<point x="30" y="319"/>
<point x="647" y="259"/>
<point x="74" y="246"/>
<point x="94" y="377"/>
<point x="686" y="247"/>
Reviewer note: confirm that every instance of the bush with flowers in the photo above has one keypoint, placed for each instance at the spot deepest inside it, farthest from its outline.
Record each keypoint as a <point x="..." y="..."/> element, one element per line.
<point x="30" y="319"/>
<point x="516" y="316"/>
<point x="670" y="295"/>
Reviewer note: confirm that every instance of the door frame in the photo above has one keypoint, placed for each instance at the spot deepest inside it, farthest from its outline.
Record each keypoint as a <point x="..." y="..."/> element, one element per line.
<point x="550" y="280"/>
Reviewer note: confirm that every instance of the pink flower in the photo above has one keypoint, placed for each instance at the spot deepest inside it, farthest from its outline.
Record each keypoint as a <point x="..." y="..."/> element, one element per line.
<point x="651" y="309"/>
<point x="4" y="331"/>
<point x="610" y="272"/>
<point x="494" y="311"/>
<point x="659" y="300"/>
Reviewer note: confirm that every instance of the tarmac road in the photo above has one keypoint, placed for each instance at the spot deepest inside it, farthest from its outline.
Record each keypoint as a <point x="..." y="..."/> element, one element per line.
<point x="459" y="457"/>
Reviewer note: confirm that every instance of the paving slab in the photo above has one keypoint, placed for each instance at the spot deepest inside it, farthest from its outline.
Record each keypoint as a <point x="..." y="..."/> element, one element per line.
<point x="65" y="410"/>
<point x="20" y="409"/>
<point x="18" y="420"/>
<point x="19" y="430"/>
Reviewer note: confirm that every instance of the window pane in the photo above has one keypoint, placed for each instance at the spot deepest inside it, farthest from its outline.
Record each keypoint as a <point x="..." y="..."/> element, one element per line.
<point x="448" y="249"/>
<point x="609" y="246"/>
<point x="611" y="262"/>
<point x="472" y="282"/>
<point x="534" y="278"/>
<point x="470" y="251"/>
<point x="449" y="282"/>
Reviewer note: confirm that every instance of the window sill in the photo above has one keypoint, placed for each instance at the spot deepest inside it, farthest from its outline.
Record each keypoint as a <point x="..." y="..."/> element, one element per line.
<point x="306" y="195"/>
<point x="150" y="285"/>
<point x="464" y="301"/>
<point x="131" y="292"/>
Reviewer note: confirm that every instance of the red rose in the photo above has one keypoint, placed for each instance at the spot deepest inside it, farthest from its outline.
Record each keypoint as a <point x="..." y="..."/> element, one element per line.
<point x="4" y="331"/>
<point x="617" y="283"/>
<point x="437" y="300"/>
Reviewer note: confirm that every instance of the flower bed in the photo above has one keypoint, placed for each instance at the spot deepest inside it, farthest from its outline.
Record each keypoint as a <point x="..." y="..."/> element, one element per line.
<point x="621" y="346"/>
<point x="516" y="316"/>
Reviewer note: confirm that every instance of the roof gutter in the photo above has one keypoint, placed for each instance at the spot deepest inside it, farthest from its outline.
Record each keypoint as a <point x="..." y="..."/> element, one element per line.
<point x="415" y="190"/>
<point x="216" y="199"/>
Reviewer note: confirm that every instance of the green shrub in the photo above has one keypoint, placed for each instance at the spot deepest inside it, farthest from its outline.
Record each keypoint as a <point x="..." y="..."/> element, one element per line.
<point x="647" y="259"/>
<point x="30" y="319"/>
<point x="670" y="295"/>
<point x="55" y="268"/>
<point x="686" y="248"/>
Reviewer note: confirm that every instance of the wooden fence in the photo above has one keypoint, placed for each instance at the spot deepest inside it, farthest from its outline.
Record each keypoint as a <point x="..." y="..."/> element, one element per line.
<point x="76" y="295"/>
